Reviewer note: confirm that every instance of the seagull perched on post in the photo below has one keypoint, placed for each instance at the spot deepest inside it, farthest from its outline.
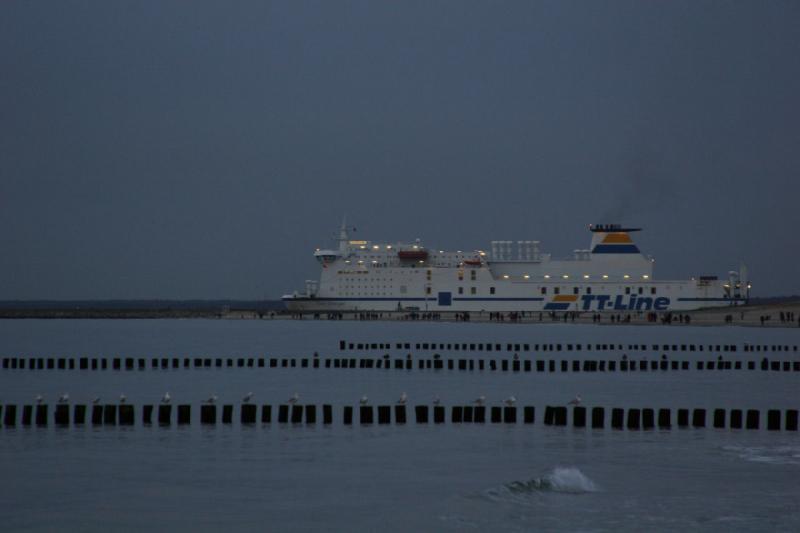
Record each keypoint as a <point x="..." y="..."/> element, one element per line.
<point x="122" y="398"/>
<point x="212" y="399"/>
<point x="576" y="400"/>
<point x="293" y="399"/>
<point x="364" y="400"/>
<point x="403" y="399"/>
<point x="510" y="401"/>
<point x="64" y="398"/>
<point x="480" y="400"/>
<point x="247" y="397"/>
<point x="166" y="398"/>
<point x="39" y="398"/>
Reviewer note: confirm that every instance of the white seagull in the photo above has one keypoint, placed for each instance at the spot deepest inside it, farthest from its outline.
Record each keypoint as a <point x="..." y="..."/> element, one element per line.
<point x="293" y="399"/>
<point x="211" y="399"/>
<point x="247" y="397"/>
<point x="64" y="398"/>
<point x="122" y="398"/>
<point x="403" y="399"/>
<point x="166" y="398"/>
<point x="364" y="400"/>
<point x="510" y="401"/>
<point x="480" y="400"/>
<point x="39" y="398"/>
<point x="575" y="401"/>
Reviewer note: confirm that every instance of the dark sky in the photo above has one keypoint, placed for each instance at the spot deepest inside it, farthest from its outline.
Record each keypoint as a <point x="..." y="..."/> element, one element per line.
<point x="203" y="149"/>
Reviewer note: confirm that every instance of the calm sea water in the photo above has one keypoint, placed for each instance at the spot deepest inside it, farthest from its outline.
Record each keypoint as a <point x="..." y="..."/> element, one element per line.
<point x="398" y="478"/>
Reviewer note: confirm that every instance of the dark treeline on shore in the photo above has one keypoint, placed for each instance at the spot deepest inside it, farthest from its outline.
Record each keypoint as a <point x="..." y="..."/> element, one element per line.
<point x="134" y="308"/>
<point x="251" y="305"/>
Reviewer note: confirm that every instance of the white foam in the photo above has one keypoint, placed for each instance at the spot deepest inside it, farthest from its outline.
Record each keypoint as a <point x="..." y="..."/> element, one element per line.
<point x="569" y="479"/>
<point x="777" y="455"/>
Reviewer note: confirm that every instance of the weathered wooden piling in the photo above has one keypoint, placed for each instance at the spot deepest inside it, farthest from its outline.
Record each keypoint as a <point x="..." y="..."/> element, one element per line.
<point x="773" y="420"/>
<point x="247" y="413"/>
<point x="791" y="420"/>
<point x="736" y="419"/>
<point x="126" y="415"/>
<point x="164" y="414"/>
<point x="598" y="417"/>
<point x="579" y="416"/>
<point x="549" y="415"/>
<point x="752" y="420"/>
<point x="10" y="415"/>
<point x="399" y="414"/>
<point x="528" y="414"/>
<point x="648" y="418"/>
<point x="283" y="414"/>
<point x="184" y="414"/>
<point x="719" y="418"/>
<point x="109" y="415"/>
<point x="208" y="414"/>
<point x="97" y="415"/>
<point x="664" y="419"/>
<point x="560" y="413"/>
<point x="634" y="419"/>
<point x="617" y="418"/>
<point x="365" y="414"/>
<point x="468" y="414"/>
<point x="79" y="415"/>
<point x="61" y="415"/>
<point x="41" y="415"/>
<point x="699" y="418"/>
<point x="147" y="415"/>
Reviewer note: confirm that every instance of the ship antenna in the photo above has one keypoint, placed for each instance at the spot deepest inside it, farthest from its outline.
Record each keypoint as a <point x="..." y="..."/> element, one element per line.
<point x="343" y="237"/>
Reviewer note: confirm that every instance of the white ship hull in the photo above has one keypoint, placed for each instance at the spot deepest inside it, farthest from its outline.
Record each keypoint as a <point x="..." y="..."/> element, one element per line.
<point x="611" y="276"/>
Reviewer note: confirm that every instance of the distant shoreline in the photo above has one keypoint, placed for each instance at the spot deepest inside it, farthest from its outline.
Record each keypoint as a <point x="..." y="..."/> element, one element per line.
<point x="749" y="315"/>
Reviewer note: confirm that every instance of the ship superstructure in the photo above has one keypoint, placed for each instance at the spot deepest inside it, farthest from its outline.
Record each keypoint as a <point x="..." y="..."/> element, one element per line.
<point x="611" y="275"/>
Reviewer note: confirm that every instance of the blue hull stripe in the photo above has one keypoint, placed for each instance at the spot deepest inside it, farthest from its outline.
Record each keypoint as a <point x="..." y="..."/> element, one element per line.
<point x="384" y="299"/>
<point x="500" y="299"/>
<point x="557" y="306"/>
<point x="615" y="249"/>
<point x="712" y="299"/>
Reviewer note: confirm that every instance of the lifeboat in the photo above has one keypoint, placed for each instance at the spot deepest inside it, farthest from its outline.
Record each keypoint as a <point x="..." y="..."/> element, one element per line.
<point x="413" y="255"/>
<point x="472" y="262"/>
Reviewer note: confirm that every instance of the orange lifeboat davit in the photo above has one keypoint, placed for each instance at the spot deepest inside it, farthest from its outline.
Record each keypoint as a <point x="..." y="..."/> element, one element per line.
<point x="413" y="255"/>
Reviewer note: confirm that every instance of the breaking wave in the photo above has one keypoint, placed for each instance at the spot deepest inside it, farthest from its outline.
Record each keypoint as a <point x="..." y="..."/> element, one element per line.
<point x="777" y="455"/>
<point x="567" y="480"/>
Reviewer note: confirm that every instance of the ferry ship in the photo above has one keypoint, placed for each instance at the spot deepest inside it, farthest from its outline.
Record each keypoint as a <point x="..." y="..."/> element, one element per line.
<point x="612" y="275"/>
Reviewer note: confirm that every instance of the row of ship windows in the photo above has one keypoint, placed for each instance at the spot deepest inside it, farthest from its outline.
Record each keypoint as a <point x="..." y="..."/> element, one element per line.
<point x="474" y="290"/>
